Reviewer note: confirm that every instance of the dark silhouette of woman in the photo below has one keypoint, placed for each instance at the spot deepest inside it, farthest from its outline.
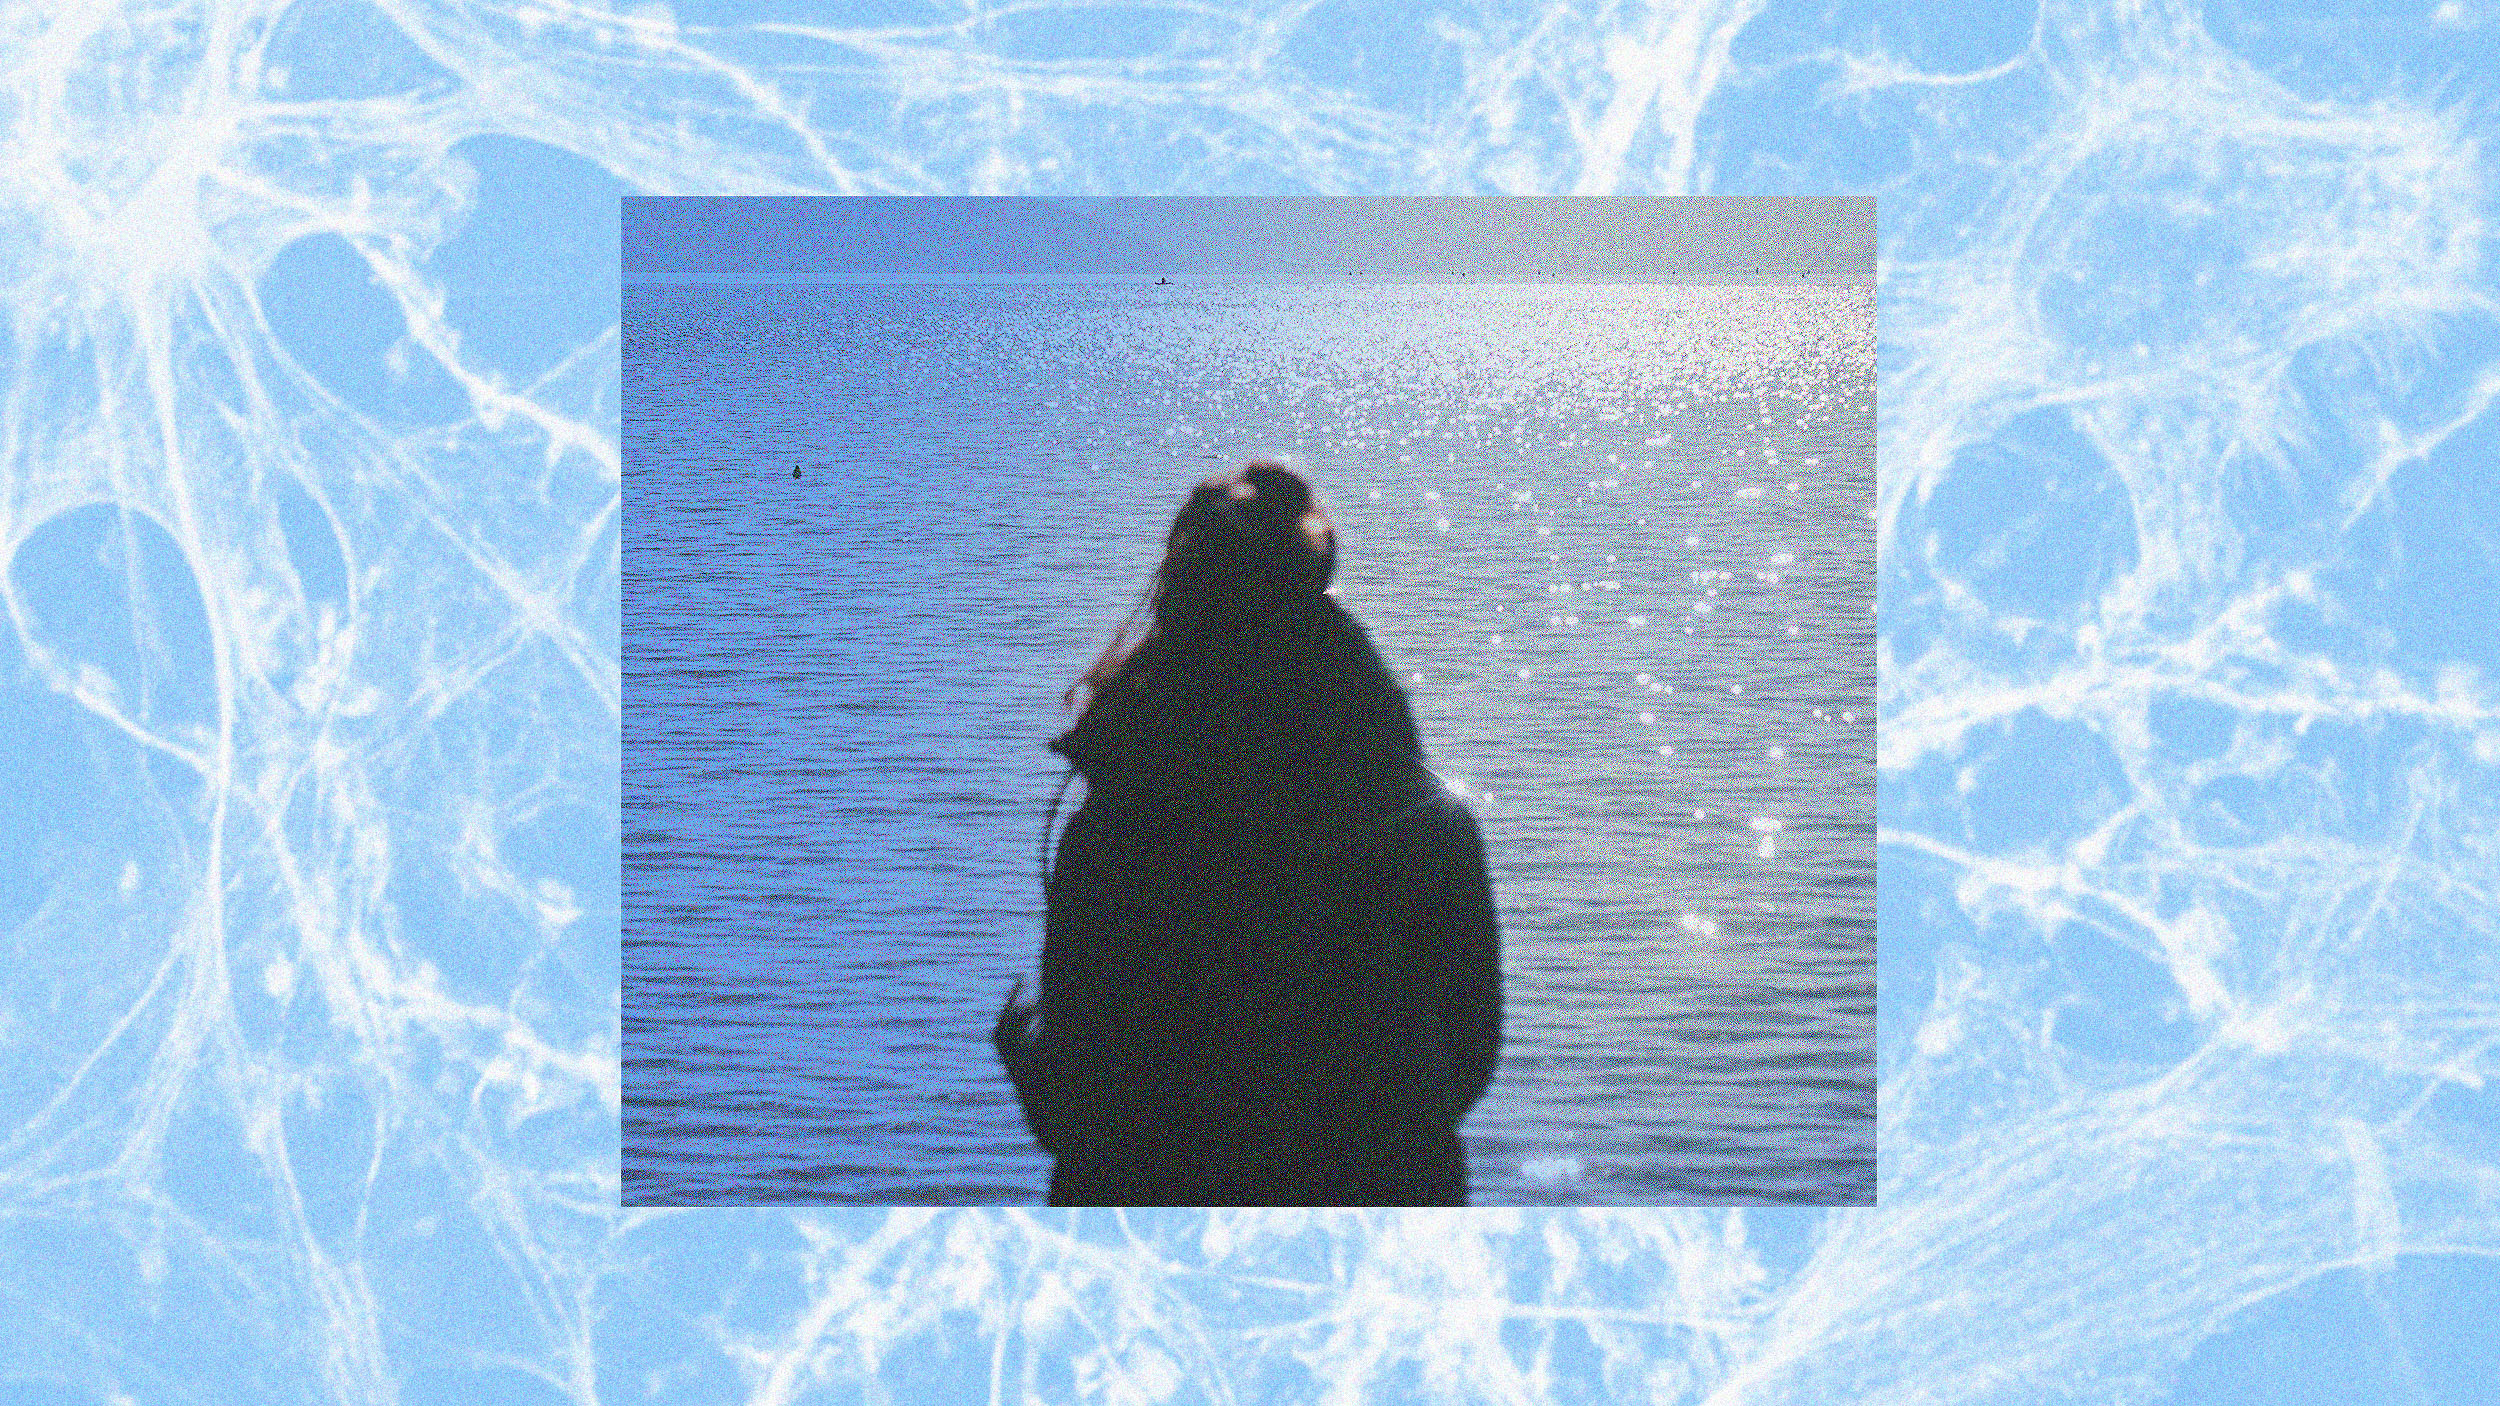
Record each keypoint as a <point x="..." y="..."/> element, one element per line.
<point x="1271" y="970"/>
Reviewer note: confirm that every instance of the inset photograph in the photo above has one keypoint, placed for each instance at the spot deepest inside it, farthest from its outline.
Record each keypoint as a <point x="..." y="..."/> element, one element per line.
<point x="1242" y="701"/>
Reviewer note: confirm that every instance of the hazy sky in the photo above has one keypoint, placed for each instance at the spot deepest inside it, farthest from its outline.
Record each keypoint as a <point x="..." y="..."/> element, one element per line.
<point x="982" y="239"/>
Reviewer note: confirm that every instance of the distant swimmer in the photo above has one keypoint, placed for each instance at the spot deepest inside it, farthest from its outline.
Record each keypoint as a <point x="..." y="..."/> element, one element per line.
<point x="794" y="471"/>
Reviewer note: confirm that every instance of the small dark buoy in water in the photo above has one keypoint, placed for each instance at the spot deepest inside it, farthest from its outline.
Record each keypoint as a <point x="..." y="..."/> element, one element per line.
<point x="794" y="471"/>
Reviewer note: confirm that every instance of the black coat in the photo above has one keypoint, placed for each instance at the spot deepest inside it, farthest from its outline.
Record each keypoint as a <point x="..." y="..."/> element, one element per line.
<point x="1271" y="974"/>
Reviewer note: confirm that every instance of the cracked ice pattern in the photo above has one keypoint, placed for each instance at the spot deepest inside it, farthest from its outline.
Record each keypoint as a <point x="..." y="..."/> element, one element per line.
<point x="309" y="686"/>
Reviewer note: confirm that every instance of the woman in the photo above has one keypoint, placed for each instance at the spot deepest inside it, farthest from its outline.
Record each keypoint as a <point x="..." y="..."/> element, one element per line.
<point x="1270" y="974"/>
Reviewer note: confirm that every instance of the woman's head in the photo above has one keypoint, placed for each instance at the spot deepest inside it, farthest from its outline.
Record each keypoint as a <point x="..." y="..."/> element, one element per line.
<point x="1245" y="544"/>
<point x="1251" y="691"/>
<point x="1247" y="547"/>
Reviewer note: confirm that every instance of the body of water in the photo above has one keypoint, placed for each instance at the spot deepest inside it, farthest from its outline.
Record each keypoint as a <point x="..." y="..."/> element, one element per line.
<point x="1616" y="541"/>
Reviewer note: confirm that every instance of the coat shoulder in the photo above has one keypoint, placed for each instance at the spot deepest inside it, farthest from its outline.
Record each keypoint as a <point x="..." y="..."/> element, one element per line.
<point x="1436" y="824"/>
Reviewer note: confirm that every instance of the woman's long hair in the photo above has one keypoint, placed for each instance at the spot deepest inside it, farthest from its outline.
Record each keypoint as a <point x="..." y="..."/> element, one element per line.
<point x="1249" y="690"/>
<point x="1247" y="546"/>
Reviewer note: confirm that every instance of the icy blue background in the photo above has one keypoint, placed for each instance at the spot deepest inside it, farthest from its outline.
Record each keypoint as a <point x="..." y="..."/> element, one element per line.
<point x="309" y="696"/>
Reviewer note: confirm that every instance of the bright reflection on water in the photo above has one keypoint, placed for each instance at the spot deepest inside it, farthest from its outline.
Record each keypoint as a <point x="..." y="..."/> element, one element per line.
<point x="1617" y="541"/>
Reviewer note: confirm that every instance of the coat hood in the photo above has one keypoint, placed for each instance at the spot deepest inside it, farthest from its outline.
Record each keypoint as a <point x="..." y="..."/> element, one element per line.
<point x="1290" y="724"/>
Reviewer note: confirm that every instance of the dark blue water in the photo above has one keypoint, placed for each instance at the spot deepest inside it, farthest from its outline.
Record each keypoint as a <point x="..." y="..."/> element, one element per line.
<point x="1615" y="540"/>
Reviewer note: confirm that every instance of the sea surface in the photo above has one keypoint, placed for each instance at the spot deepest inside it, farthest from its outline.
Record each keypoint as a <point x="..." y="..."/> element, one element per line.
<point x="1615" y="540"/>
